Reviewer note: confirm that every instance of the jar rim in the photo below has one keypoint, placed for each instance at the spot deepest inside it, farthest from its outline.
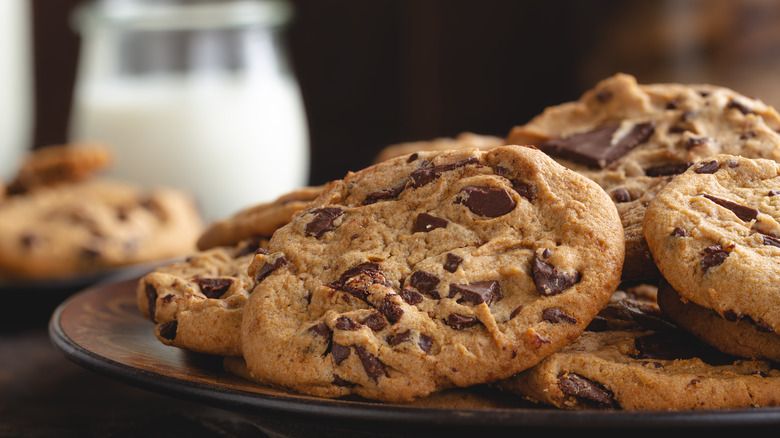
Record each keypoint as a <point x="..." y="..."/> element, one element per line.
<point x="194" y="16"/>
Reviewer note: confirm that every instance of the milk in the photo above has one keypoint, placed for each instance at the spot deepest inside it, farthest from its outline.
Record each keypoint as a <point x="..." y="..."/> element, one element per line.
<point x="15" y="85"/>
<point x="231" y="140"/>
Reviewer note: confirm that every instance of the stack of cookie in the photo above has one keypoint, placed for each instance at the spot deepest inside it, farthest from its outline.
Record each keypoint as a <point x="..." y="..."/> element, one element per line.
<point x="59" y="220"/>
<point x="526" y="267"/>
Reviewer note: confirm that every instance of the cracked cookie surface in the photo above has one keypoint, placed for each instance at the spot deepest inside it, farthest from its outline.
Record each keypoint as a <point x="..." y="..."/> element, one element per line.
<point x="431" y="270"/>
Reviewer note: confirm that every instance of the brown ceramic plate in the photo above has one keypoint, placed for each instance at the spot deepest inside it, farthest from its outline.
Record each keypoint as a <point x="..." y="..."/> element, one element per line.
<point x="101" y="329"/>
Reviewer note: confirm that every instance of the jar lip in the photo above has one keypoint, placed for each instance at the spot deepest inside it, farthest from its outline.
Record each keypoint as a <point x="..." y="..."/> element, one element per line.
<point x="195" y="16"/>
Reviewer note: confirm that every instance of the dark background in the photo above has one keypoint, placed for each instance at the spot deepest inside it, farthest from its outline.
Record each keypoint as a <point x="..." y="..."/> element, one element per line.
<point x="378" y="72"/>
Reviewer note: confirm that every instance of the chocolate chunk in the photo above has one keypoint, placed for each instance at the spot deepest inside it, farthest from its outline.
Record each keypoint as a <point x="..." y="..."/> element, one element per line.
<point x="693" y="142"/>
<point x="524" y="189"/>
<point x="739" y="106"/>
<point x="411" y="297"/>
<point x="477" y="293"/>
<point x="151" y="298"/>
<point x="267" y="268"/>
<point x="459" y="322"/>
<point x="771" y="241"/>
<point x="746" y="214"/>
<point x="373" y="367"/>
<point x="355" y="281"/>
<point x="679" y="232"/>
<point x="425" y="282"/>
<point x="391" y="310"/>
<point x="452" y="262"/>
<point x="413" y="157"/>
<point x="516" y="312"/>
<point x="339" y="353"/>
<point x="487" y="201"/>
<point x="556" y="316"/>
<point x="382" y="195"/>
<point x="400" y="338"/>
<point x="773" y="193"/>
<point x="338" y="381"/>
<point x="596" y="148"/>
<point x="347" y="323"/>
<point x="426" y="222"/>
<point x="587" y="391"/>
<point x="713" y="256"/>
<point x="168" y="329"/>
<point x="707" y="167"/>
<point x="621" y="195"/>
<point x="667" y="169"/>
<point x="321" y="329"/>
<point x="213" y="287"/>
<point x="424" y="342"/>
<point x="424" y="175"/>
<point x="548" y="280"/>
<point x="323" y="221"/>
<point x="375" y="321"/>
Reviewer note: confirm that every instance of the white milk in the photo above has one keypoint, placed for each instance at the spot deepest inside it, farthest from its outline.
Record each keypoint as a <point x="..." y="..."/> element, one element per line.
<point x="231" y="142"/>
<point x="15" y="85"/>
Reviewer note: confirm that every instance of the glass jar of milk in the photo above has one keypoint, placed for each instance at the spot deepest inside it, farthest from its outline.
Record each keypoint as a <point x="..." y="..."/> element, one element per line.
<point x="196" y="95"/>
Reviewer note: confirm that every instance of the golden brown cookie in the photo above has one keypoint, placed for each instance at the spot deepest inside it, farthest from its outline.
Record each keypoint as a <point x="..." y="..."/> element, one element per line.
<point x="461" y="141"/>
<point x="432" y="270"/>
<point x="632" y="139"/>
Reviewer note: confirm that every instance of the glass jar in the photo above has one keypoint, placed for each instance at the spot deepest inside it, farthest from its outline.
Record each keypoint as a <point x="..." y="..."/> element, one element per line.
<point x="196" y="95"/>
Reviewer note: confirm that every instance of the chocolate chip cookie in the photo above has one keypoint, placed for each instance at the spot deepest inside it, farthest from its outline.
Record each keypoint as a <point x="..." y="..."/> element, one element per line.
<point x="715" y="236"/>
<point x="197" y="303"/>
<point x="431" y="270"/>
<point x="632" y="358"/>
<point x="258" y="220"/>
<point x="84" y="227"/>
<point x="632" y="139"/>
<point x="461" y="141"/>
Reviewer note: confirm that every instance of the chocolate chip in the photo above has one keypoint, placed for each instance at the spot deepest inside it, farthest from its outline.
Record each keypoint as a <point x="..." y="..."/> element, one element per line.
<point x="247" y="247"/>
<point x="400" y="338"/>
<point x="30" y="239"/>
<point x="373" y="367"/>
<point x="413" y="157"/>
<point x="425" y="282"/>
<point x="338" y="381"/>
<point x="548" y="280"/>
<point x="524" y="189"/>
<point x="339" y="353"/>
<point x="477" y="293"/>
<point x="746" y="214"/>
<point x="773" y="193"/>
<point x="411" y="297"/>
<point x="322" y="221"/>
<point x="168" y="329"/>
<point x="487" y="201"/>
<point x="459" y="322"/>
<point x="322" y="330"/>
<point x="587" y="391"/>
<point x="391" y="310"/>
<point x="347" y="323"/>
<point x="213" y="287"/>
<point x="516" y="312"/>
<point x="267" y="268"/>
<point x="679" y="232"/>
<point x="452" y="262"/>
<point x="739" y="106"/>
<point x="375" y="321"/>
<point x="355" y="281"/>
<point x="604" y="96"/>
<point x="424" y="175"/>
<point x="556" y="316"/>
<point x="771" y="241"/>
<point x="707" y="167"/>
<point x="424" y="342"/>
<point x="713" y="256"/>
<point x="621" y="195"/>
<point x="695" y="142"/>
<point x="151" y="298"/>
<point x="596" y="148"/>
<point x="382" y="195"/>
<point x="667" y="169"/>
<point x="426" y="222"/>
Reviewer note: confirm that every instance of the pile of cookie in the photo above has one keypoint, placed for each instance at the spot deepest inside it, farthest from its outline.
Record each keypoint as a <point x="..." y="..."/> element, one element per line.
<point x="616" y="252"/>
<point x="60" y="220"/>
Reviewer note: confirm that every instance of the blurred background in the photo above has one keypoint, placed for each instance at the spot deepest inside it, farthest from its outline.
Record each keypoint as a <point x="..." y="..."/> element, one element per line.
<point x="374" y="73"/>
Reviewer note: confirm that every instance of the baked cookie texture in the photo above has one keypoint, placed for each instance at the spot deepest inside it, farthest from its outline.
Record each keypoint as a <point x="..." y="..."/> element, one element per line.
<point x="633" y="358"/>
<point x="632" y="139"/>
<point x="714" y="234"/>
<point x="93" y="225"/>
<point x="431" y="270"/>
<point x="197" y="303"/>
<point x="463" y="140"/>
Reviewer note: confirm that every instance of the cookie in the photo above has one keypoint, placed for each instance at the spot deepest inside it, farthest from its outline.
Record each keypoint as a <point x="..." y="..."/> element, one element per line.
<point x="90" y="226"/>
<point x="431" y="270"/>
<point x="57" y="164"/>
<point x="258" y="220"/>
<point x="632" y="139"/>
<point x="463" y="140"/>
<point x="642" y="362"/>
<point x="197" y="304"/>
<point x="715" y="236"/>
<point x="739" y="338"/>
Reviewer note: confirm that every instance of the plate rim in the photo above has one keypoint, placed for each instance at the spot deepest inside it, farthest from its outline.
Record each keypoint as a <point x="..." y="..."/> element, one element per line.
<point x="249" y="402"/>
